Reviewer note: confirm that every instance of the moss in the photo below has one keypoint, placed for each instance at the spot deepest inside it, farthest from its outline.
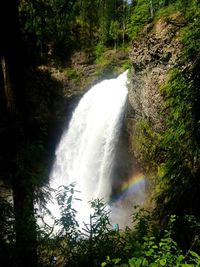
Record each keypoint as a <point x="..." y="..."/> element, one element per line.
<point x="71" y="73"/>
<point x="111" y="63"/>
<point x="166" y="11"/>
<point x="146" y="145"/>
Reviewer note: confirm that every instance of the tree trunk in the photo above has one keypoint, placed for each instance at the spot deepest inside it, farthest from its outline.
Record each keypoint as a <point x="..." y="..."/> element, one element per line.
<point x="151" y="8"/>
<point x="7" y="84"/>
<point x="13" y="74"/>
<point x="25" y="224"/>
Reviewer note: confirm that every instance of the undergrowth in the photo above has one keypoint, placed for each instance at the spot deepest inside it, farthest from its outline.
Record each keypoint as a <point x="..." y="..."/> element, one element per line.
<point x="101" y="244"/>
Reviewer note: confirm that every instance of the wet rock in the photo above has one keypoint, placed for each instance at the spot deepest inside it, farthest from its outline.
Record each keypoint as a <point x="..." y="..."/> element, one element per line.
<point x="152" y="56"/>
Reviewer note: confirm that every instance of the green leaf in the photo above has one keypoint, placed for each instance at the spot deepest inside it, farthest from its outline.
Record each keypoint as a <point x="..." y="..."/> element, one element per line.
<point x="180" y="259"/>
<point x="134" y="262"/>
<point x="155" y="246"/>
<point x="116" y="260"/>
<point x="194" y="254"/>
<point x="163" y="262"/>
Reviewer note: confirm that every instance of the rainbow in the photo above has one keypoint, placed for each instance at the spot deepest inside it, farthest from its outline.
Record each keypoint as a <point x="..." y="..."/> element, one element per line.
<point x="128" y="187"/>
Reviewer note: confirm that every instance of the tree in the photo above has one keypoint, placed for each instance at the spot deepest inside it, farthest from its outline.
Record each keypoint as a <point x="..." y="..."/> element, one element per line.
<point x="16" y="126"/>
<point x="114" y="32"/>
<point x="140" y="16"/>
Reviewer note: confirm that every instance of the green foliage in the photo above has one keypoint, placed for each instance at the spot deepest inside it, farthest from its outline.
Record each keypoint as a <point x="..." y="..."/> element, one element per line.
<point x="146" y="146"/>
<point x="154" y="251"/>
<point x="139" y="18"/>
<point x="72" y="73"/>
<point x="65" y="198"/>
<point x="114" y="31"/>
<point x="56" y="28"/>
<point x="173" y="156"/>
<point x="126" y="65"/>
<point x="99" y="50"/>
<point x="190" y="35"/>
<point x="166" y="11"/>
<point x="47" y="20"/>
<point x="105" y="66"/>
<point x="178" y="104"/>
<point x="180" y="168"/>
<point x="98" y="245"/>
<point x="110" y="64"/>
<point x="73" y="246"/>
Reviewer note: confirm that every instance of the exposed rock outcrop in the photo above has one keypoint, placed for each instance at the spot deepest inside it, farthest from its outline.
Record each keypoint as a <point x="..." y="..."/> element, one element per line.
<point x="152" y="56"/>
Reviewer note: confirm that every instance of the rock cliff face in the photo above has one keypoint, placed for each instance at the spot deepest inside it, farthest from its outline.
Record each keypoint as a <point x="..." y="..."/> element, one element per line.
<point x="152" y="56"/>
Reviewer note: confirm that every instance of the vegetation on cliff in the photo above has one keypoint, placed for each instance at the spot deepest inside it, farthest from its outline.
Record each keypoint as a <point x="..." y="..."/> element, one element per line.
<point x="49" y="33"/>
<point x="171" y="154"/>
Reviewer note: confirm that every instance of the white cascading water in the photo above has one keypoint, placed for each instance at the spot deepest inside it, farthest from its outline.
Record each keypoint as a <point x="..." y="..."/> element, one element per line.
<point x="86" y="151"/>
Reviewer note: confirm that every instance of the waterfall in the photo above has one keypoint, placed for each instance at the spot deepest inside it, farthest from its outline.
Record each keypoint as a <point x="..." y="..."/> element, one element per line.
<point x="86" y="150"/>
